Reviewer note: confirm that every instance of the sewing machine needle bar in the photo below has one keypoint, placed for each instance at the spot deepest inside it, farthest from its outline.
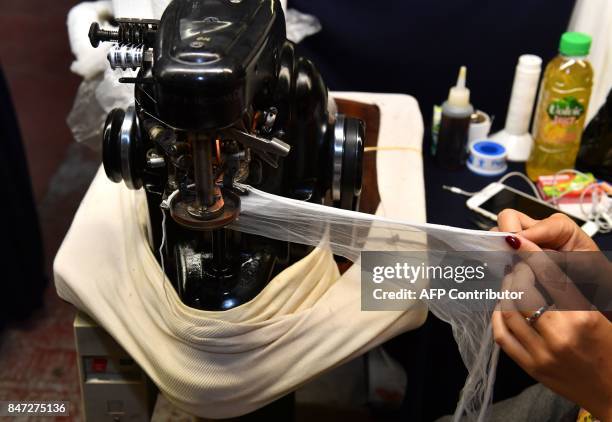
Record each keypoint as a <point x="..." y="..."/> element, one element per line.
<point x="202" y="158"/>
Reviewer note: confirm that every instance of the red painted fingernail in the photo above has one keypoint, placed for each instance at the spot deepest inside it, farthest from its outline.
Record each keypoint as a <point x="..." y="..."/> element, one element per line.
<point x="513" y="241"/>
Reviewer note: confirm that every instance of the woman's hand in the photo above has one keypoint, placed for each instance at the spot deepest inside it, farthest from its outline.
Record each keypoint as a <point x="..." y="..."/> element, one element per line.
<point x="557" y="232"/>
<point x="568" y="351"/>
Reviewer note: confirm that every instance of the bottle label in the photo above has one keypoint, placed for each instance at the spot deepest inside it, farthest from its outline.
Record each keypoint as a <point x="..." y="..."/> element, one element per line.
<point x="563" y="124"/>
<point x="565" y="109"/>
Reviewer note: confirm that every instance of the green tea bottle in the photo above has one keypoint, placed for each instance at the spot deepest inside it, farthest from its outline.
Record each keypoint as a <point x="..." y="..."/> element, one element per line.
<point x="564" y="98"/>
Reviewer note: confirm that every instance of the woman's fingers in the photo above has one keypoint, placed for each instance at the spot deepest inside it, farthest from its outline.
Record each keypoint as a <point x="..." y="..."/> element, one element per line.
<point x="563" y="292"/>
<point x="513" y="221"/>
<point x="516" y="323"/>
<point x="508" y="342"/>
<point x="514" y="312"/>
<point x="550" y="326"/>
<point x="552" y="233"/>
<point x="522" y="280"/>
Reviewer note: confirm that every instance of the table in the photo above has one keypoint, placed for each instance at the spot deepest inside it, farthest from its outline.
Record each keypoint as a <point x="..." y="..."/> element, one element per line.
<point x="440" y="201"/>
<point x="440" y="375"/>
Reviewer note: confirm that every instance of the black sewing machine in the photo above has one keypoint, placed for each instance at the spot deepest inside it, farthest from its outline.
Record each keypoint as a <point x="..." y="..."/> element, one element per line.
<point x="221" y="97"/>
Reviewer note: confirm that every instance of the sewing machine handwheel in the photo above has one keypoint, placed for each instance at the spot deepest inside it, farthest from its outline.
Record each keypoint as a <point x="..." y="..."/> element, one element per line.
<point x="352" y="168"/>
<point x="121" y="153"/>
<point x="111" y="147"/>
<point x="347" y="170"/>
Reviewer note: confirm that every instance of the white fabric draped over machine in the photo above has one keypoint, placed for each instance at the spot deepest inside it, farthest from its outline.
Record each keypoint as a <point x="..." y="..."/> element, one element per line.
<point x="307" y="320"/>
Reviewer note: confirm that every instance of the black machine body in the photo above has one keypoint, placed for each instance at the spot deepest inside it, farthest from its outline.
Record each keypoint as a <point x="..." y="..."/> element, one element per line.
<point x="221" y="98"/>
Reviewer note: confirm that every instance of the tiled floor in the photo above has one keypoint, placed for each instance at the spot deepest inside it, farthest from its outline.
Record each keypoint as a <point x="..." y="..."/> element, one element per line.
<point x="38" y="358"/>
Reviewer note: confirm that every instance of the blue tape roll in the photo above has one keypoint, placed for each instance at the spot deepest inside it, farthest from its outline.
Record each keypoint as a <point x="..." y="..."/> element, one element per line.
<point x="487" y="158"/>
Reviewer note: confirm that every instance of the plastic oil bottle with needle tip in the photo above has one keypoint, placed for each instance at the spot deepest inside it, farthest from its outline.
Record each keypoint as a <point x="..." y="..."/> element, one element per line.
<point x="451" y="150"/>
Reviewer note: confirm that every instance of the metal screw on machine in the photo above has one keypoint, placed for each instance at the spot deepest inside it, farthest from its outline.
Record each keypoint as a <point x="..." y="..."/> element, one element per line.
<point x="126" y="56"/>
<point x="154" y="160"/>
<point x="97" y="34"/>
<point x="270" y="118"/>
<point x="130" y="31"/>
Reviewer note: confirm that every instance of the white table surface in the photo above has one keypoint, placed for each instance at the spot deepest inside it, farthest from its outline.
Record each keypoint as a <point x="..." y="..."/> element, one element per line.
<point x="401" y="125"/>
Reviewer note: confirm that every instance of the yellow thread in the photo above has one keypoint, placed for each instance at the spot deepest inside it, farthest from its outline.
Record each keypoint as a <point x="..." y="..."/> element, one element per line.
<point x="391" y="148"/>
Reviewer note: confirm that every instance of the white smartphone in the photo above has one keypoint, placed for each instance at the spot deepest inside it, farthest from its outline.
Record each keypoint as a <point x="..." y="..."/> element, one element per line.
<point x="496" y="197"/>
